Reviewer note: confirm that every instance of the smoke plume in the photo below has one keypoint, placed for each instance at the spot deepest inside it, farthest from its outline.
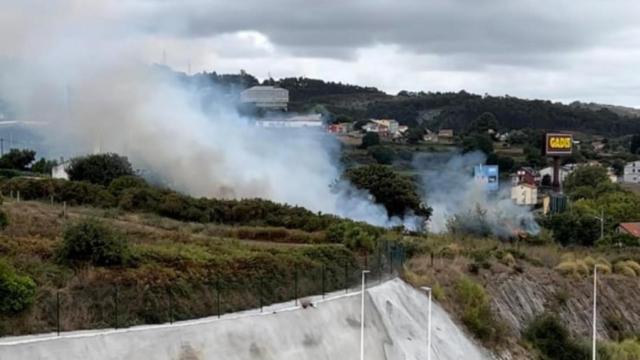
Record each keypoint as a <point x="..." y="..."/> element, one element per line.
<point x="82" y="70"/>
<point x="453" y="193"/>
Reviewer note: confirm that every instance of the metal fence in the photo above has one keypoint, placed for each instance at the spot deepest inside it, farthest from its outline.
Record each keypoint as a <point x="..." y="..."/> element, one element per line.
<point x="83" y="307"/>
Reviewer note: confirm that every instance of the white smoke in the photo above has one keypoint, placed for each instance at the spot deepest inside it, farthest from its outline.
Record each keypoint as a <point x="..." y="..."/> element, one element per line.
<point x="450" y="189"/>
<point x="80" y="70"/>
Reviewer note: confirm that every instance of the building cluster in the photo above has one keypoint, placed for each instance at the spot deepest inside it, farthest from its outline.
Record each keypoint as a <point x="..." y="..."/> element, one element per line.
<point x="528" y="183"/>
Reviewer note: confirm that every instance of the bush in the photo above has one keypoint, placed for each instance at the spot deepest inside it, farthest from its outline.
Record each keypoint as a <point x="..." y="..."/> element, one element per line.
<point x="93" y="242"/>
<point x="547" y="334"/>
<point x="476" y="311"/>
<point x="117" y="186"/>
<point x="17" y="292"/>
<point x="4" y="220"/>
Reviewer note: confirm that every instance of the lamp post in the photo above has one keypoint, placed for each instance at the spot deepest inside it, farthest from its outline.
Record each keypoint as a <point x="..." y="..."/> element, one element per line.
<point x="428" y="290"/>
<point x="601" y="219"/>
<point x="595" y="293"/>
<point x="364" y="285"/>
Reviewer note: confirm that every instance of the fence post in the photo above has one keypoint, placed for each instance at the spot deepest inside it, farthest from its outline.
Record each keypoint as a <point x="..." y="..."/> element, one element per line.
<point x="170" y="307"/>
<point x="346" y="277"/>
<point x="379" y="264"/>
<point x="218" y="295"/>
<point x="58" y="312"/>
<point x="260" y="288"/>
<point x="295" y="285"/>
<point x="323" y="279"/>
<point x="115" y="310"/>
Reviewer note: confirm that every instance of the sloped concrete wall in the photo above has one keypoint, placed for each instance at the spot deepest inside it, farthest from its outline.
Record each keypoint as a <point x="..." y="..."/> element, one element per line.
<point x="395" y="328"/>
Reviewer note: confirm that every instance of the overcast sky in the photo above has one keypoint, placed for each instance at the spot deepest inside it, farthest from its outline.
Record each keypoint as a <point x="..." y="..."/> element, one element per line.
<point x="586" y="50"/>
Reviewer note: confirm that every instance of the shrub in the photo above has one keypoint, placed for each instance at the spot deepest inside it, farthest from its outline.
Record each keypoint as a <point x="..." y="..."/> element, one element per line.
<point x="17" y="292"/>
<point x="94" y="242"/>
<point x="117" y="186"/>
<point x="476" y="311"/>
<point x="627" y="268"/>
<point x="4" y="220"/>
<point x="547" y="334"/>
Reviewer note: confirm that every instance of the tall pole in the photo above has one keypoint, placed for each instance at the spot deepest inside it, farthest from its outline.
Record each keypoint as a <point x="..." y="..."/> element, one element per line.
<point x="595" y="294"/>
<point x="364" y="273"/>
<point x="601" y="219"/>
<point x="428" y="290"/>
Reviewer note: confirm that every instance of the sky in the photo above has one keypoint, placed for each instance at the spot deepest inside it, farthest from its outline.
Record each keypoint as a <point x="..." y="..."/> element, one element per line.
<point x="587" y="50"/>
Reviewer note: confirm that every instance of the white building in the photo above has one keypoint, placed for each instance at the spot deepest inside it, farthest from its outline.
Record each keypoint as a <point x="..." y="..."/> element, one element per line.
<point x="60" y="171"/>
<point x="632" y="172"/>
<point x="384" y="127"/>
<point x="293" y="121"/>
<point x="266" y="97"/>
<point x="564" y="171"/>
<point x="524" y="194"/>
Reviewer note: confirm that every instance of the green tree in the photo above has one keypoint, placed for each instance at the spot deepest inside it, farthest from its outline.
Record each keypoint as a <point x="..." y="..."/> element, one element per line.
<point x="481" y="142"/>
<point x="43" y="166"/>
<point x="590" y="176"/>
<point x="634" y="147"/>
<point x="92" y="241"/>
<point x="370" y="139"/>
<point x="483" y="123"/>
<point x="397" y="193"/>
<point x="18" y="159"/>
<point x="414" y="135"/>
<point x="382" y="154"/>
<point x="99" y="169"/>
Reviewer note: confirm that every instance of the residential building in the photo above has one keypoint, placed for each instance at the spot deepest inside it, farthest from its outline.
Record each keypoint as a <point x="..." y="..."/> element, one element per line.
<point x="632" y="172"/>
<point x="524" y="194"/>
<point x="60" y="171"/>
<point x="342" y="128"/>
<point x="445" y="136"/>
<point x="266" y="97"/>
<point x="631" y="228"/>
<point x="526" y="175"/>
<point x="383" y="127"/>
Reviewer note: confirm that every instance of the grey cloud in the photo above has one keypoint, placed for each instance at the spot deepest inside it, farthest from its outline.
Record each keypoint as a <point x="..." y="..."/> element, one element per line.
<point x="516" y="29"/>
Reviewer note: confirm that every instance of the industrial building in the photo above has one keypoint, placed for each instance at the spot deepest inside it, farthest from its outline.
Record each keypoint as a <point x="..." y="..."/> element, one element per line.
<point x="266" y="97"/>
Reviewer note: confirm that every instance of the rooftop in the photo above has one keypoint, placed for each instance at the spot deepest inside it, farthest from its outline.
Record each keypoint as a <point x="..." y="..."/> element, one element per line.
<point x="632" y="228"/>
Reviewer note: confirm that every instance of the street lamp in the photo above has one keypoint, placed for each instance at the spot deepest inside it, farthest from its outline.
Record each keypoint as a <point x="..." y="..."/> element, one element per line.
<point x="601" y="219"/>
<point x="428" y="290"/>
<point x="595" y="293"/>
<point x="364" y="285"/>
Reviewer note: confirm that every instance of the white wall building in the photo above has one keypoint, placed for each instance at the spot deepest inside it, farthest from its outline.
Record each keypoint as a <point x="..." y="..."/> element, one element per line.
<point x="632" y="172"/>
<point x="60" y="171"/>
<point x="524" y="194"/>
<point x="266" y="97"/>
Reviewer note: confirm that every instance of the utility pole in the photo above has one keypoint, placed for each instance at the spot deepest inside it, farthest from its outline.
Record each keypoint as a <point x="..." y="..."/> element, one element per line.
<point x="1" y="146"/>
<point x="595" y="294"/>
